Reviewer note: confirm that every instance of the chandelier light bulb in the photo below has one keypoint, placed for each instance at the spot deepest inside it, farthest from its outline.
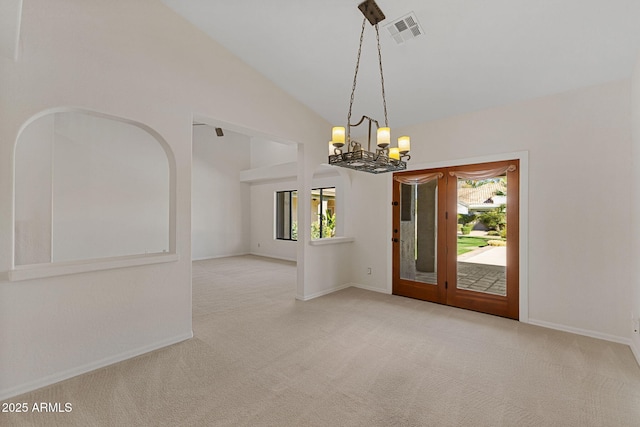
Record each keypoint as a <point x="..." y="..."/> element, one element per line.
<point x="337" y="136"/>
<point x="404" y="144"/>
<point x="384" y="137"/>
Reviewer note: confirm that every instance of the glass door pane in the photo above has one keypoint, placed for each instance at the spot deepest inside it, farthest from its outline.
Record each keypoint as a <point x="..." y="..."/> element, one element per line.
<point x="482" y="232"/>
<point x="419" y="232"/>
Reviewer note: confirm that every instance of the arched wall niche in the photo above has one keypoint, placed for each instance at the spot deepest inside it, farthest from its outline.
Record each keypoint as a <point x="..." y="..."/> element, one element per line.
<point x="91" y="186"/>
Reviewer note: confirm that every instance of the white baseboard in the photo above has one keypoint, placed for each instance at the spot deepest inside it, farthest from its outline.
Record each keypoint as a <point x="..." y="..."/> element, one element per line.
<point x="371" y="288"/>
<point x="339" y="288"/>
<point x="219" y="256"/>
<point x="243" y="254"/>
<point x="281" y="258"/>
<point x="322" y="293"/>
<point x="92" y="366"/>
<point x="578" y="331"/>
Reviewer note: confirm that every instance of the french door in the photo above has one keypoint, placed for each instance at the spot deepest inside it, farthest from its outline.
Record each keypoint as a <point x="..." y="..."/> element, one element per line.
<point x="456" y="236"/>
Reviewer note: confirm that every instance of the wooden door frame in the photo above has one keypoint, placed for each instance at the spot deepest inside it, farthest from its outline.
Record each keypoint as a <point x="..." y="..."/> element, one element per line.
<point x="523" y="157"/>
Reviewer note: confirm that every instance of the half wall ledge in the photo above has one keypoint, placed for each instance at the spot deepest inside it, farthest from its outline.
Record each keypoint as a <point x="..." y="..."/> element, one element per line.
<point x="331" y="241"/>
<point x="39" y="271"/>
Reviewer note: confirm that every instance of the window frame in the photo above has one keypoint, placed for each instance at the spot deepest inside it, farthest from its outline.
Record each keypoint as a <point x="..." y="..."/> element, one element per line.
<point x="280" y="214"/>
<point x="321" y="213"/>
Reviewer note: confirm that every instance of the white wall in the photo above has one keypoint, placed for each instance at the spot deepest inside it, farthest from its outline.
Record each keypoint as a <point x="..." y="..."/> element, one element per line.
<point x="266" y="156"/>
<point x="635" y="207"/>
<point x="136" y="60"/>
<point x="220" y="204"/>
<point x="579" y="206"/>
<point x="269" y="153"/>
<point x="325" y="268"/>
<point x="33" y="185"/>
<point x="263" y="241"/>
<point x="10" y="11"/>
<point x="110" y="189"/>
<point x="331" y="261"/>
<point x="372" y="228"/>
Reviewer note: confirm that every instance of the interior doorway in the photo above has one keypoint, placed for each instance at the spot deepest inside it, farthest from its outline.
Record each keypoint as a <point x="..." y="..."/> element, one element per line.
<point x="456" y="236"/>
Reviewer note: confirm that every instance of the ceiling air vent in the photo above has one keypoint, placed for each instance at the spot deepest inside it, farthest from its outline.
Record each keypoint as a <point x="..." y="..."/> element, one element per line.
<point x="405" y="28"/>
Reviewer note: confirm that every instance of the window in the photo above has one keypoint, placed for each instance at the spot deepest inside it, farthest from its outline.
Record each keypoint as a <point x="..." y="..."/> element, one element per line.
<point x="323" y="212"/>
<point x="287" y="215"/>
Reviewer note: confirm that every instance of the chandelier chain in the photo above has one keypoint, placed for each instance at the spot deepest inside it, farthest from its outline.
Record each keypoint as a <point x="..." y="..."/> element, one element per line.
<point x="355" y="76"/>
<point x="355" y="79"/>
<point x="384" y="98"/>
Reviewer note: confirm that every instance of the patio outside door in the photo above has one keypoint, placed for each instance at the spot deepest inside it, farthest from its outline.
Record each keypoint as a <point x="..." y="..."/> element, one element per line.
<point x="455" y="233"/>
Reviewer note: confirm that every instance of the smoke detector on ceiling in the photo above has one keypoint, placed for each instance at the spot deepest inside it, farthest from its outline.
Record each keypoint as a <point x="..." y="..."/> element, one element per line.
<point x="405" y="28"/>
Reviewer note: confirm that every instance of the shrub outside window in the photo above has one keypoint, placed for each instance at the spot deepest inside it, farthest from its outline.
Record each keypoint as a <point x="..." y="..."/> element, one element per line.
<point x="323" y="213"/>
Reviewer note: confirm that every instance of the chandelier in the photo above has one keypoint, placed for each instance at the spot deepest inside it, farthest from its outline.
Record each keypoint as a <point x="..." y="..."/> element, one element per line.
<point x="354" y="156"/>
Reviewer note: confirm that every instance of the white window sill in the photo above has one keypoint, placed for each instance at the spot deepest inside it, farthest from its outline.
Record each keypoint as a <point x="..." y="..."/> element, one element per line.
<point x="331" y="241"/>
<point x="39" y="271"/>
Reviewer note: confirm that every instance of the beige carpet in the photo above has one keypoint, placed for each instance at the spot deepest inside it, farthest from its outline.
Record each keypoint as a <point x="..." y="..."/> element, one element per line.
<point x="352" y="358"/>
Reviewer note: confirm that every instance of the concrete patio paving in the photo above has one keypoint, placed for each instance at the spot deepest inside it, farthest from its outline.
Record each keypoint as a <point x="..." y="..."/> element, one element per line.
<point x="482" y="270"/>
<point x="491" y="255"/>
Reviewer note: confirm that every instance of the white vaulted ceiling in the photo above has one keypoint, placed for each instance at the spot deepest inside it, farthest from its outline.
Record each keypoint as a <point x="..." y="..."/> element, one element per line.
<point x="474" y="54"/>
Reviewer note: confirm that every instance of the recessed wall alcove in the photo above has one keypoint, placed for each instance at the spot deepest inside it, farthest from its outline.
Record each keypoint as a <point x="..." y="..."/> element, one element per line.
<point x="90" y="186"/>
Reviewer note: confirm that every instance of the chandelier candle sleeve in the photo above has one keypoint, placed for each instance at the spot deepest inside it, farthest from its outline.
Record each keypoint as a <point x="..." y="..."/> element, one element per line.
<point x="337" y="136"/>
<point x="404" y="144"/>
<point x="384" y="137"/>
